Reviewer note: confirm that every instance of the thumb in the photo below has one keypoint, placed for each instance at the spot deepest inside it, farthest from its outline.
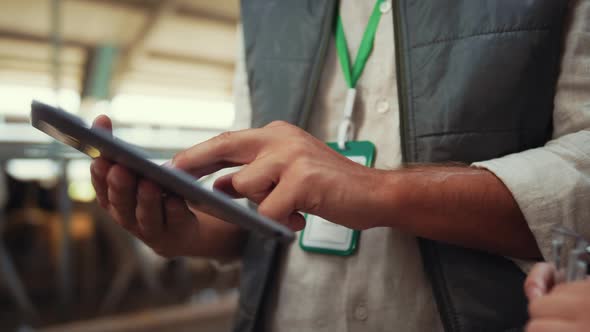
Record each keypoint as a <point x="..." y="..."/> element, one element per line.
<point x="103" y="122"/>
<point x="539" y="281"/>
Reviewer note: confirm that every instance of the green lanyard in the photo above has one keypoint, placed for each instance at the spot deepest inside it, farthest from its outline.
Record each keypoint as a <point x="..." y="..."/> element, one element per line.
<point x="352" y="74"/>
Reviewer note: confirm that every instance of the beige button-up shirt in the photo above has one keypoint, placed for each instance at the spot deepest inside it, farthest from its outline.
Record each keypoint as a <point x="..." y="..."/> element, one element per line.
<point x="383" y="287"/>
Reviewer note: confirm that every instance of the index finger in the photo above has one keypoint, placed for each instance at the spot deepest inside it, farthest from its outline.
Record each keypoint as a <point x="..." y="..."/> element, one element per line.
<point x="230" y="148"/>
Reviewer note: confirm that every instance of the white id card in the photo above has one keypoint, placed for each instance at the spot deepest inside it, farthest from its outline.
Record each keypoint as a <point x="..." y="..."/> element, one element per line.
<point x="323" y="236"/>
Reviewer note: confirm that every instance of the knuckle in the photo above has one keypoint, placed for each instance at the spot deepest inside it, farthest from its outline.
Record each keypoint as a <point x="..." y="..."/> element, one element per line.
<point x="299" y="144"/>
<point x="115" y="186"/>
<point x="288" y="129"/>
<point x="117" y="183"/>
<point x="180" y="158"/>
<point x="530" y="283"/>
<point x="223" y="138"/>
<point x="277" y="123"/>
<point x="239" y="182"/>
<point x="296" y="149"/>
<point x="298" y="132"/>
<point x="313" y="203"/>
<point x="304" y="169"/>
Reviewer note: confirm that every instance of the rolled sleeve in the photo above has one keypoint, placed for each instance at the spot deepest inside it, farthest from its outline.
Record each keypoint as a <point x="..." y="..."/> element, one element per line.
<point x="551" y="184"/>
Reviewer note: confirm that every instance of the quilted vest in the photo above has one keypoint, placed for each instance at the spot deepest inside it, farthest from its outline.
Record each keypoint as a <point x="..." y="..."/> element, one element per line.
<point x="476" y="80"/>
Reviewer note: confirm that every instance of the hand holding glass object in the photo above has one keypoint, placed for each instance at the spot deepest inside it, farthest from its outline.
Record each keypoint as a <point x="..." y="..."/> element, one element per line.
<point x="558" y="291"/>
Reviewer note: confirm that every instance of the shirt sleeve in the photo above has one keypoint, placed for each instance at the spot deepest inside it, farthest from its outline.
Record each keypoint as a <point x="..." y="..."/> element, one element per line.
<point x="551" y="184"/>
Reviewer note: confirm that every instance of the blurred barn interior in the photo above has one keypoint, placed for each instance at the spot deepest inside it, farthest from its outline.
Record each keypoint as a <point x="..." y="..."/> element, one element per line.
<point x="162" y="70"/>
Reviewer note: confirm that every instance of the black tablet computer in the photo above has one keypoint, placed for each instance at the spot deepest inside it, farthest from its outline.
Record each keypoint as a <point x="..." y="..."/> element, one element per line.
<point x="95" y="142"/>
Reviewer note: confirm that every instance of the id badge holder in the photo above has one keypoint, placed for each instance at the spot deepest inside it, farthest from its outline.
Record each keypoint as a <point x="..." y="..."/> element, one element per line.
<point x="324" y="237"/>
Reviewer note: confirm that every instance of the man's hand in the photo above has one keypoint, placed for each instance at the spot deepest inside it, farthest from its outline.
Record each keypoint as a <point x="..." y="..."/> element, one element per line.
<point x="286" y="171"/>
<point x="164" y="224"/>
<point x="563" y="309"/>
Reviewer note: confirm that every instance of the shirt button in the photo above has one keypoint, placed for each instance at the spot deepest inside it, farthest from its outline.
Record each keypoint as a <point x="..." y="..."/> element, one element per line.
<point x="385" y="7"/>
<point x="361" y="312"/>
<point x="382" y="107"/>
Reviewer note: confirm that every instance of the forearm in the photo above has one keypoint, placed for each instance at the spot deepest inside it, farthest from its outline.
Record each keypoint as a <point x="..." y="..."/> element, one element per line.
<point x="217" y="239"/>
<point x="460" y="205"/>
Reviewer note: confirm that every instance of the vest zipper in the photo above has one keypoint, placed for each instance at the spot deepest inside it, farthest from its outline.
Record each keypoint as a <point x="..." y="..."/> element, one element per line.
<point x="448" y="315"/>
<point x="401" y="90"/>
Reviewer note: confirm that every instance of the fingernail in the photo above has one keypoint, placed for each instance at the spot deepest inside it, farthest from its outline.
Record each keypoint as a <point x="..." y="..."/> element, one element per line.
<point x="168" y="164"/>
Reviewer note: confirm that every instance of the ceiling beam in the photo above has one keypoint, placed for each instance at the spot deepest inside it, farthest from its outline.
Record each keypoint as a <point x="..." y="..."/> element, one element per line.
<point x="136" y="48"/>
<point x="190" y="59"/>
<point x="182" y="9"/>
<point x="196" y="13"/>
<point x="40" y="39"/>
<point x="143" y="5"/>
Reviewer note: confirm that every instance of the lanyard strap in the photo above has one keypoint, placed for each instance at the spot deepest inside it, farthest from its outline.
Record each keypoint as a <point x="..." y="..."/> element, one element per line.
<point x="353" y="73"/>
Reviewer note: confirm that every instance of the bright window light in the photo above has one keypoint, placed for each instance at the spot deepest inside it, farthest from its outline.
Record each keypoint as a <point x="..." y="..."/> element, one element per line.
<point x="32" y="169"/>
<point x="81" y="191"/>
<point x="78" y="169"/>
<point x="176" y="112"/>
<point x="16" y="99"/>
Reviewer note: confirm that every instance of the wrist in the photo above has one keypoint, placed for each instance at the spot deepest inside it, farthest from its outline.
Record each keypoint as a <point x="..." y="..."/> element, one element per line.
<point x="351" y="199"/>
<point x="385" y="197"/>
